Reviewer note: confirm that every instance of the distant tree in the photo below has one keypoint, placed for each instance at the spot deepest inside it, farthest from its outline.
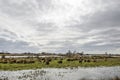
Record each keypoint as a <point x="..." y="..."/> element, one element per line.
<point x="37" y="55"/>
<point x="106" y="53"/>
<point x="74" y="52"/>
<point x="69" y="53"/>
<point x="3" y="56"/>
<point x="43" y="53"/>
<point x="81" y="53"/>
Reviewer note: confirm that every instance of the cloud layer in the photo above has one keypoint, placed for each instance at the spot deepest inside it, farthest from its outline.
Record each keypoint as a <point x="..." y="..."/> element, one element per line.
<point x="59" y="25"/>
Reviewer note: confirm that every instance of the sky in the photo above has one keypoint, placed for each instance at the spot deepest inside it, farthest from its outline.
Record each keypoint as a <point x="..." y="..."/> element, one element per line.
<point x="56" y="26"/>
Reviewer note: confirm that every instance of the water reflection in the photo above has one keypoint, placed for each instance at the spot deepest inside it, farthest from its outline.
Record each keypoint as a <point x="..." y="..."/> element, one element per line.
<point x="98" y="73"/>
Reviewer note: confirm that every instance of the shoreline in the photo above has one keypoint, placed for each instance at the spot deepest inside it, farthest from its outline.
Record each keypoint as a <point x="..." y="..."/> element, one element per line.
<point x="28" y="67"/>
<point x="62" y="68"/>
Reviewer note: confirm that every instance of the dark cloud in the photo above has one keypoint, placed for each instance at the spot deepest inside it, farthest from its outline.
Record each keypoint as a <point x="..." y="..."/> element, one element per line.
<point x="17" y="46"/>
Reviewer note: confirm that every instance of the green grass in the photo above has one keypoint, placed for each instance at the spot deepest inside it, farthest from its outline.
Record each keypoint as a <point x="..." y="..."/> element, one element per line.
<point x="55" y="64"/>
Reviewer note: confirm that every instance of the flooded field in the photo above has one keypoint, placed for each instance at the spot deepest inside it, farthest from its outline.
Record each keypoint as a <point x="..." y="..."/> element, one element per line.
<point x="27" y="56"/>
<point x="97" y="73"/>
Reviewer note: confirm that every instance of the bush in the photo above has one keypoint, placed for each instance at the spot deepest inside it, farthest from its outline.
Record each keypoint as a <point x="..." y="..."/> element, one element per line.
<point x="80" y="61"/>
<point x="70" y="59"/>
<point x="47" y="62"/>
<point x="60" y="62"/>
<point x="3" y="56"/>
<point x="4" y="61"/>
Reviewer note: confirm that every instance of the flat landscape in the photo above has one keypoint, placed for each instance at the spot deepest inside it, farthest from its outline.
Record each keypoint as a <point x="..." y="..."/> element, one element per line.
<point x="59" y="66"/>
<point x="56" y="61"/>
<point x="59" y="39"/>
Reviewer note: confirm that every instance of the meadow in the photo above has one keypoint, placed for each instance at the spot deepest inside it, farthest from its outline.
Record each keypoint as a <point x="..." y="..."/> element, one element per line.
<point x="56" y="62"/>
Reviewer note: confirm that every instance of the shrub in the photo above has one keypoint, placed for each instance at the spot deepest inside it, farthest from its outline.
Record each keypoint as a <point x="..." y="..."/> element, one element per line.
<point x="3" y="56"/>
<point x="60" y="62"/>
<point x="18" y="61"/>
<point x="70" y="59"/>
<point x="80" y="61"/>
<point x="47" y="62"/>
<point x="88" y="60"/>
<point x="116" y="78"/>
<point x="12" y="61"/>
<point x="94" y="60"/>
<point x="4" y="61"/>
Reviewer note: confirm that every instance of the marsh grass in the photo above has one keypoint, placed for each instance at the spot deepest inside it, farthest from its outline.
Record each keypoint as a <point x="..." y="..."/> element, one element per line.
<point x="54" y="64"/>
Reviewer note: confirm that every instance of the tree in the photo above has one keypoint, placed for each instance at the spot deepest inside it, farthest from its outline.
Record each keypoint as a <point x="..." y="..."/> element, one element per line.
<point x="3" y="56"/>
<point x="69" y="53"/>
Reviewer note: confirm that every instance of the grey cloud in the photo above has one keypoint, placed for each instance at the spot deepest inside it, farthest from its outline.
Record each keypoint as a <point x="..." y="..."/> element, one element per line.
<point x="69" y="46"/>
<point x="45" y="27"/>
<point x="105" y="20"/>
<point x="24" y="8"/>
<point x="93" y="47"/>
<point x="111" y="36"/>
<point x="13" y="10"/>
<point x="109" y="17"/>
<point x="26" y="12"/>
<point x="9" y="32"/>
<point x="17" y="46"/>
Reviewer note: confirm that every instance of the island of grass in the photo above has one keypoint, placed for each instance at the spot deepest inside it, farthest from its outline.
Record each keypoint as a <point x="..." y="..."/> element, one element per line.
<point x="56" y="62"/>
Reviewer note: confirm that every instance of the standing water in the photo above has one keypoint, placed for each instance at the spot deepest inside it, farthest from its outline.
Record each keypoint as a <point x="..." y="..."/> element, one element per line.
<point x="97" y="73"/>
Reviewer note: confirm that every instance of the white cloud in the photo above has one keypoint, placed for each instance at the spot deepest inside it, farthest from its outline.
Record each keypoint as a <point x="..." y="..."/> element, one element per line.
<point x="40" y="22"/>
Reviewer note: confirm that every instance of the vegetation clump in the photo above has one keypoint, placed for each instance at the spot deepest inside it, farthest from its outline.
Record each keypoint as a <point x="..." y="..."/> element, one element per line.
<point x="68" y="60"/>
<point x="60" y="62"/>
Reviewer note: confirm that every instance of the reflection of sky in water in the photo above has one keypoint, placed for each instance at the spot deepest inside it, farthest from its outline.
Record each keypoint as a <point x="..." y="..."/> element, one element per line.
<point x="62" y="74"/>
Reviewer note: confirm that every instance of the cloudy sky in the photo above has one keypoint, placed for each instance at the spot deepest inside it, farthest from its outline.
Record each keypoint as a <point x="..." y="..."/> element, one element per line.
<point x="92" y="26"/>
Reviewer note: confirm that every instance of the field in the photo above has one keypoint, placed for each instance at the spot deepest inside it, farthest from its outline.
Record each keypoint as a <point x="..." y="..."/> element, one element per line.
<point x="56" y="62"/>
<point x="72" y="67"/>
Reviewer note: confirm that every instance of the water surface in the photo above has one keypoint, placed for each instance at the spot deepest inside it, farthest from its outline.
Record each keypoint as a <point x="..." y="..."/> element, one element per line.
<point x="97" y="73"/>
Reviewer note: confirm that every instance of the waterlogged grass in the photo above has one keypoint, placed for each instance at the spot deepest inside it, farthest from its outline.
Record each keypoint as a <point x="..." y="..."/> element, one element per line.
<point x="55" y="64"/>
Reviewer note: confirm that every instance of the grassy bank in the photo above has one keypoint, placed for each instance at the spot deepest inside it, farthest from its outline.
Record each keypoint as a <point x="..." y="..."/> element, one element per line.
<point x="59" y="63"/>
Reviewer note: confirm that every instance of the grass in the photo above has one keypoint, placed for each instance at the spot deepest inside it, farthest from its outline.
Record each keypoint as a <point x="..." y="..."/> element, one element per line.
<point x="55" y="64"/>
